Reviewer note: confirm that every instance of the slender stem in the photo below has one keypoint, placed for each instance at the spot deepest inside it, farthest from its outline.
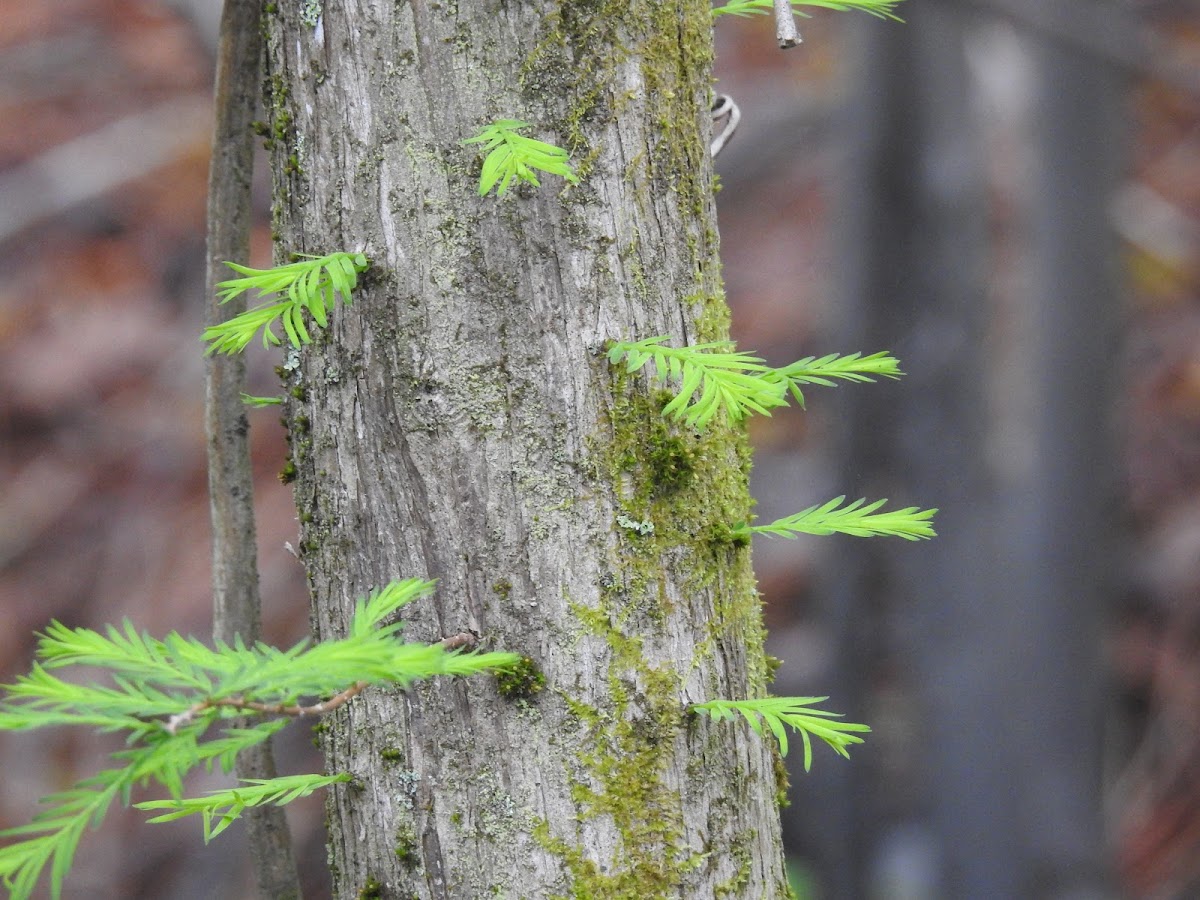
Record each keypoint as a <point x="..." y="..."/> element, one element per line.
<point x="271" y="709"/>
<point x="230" y="478"/>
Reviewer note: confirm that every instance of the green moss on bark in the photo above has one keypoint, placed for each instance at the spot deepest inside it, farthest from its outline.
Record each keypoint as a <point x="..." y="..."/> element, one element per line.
<point x="688" y="484"/>
<point x="521" y="681"/>
<point x="691" y="487"/>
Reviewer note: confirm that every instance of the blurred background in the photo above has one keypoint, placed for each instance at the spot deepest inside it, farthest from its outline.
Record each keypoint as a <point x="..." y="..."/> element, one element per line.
<point x="1003" y="193"/>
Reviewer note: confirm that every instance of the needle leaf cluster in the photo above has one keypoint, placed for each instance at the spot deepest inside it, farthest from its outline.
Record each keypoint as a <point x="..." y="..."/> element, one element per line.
<point x="221" y="808"/>
<point x="855" y="519"/>
<point x="176" y="701"/>
<point x="512" y="156"/>
<point x="794" y="712"/>
<point x="714" y="377"/>
<point x="306" y="290"/>
<point x="259" y="402"/>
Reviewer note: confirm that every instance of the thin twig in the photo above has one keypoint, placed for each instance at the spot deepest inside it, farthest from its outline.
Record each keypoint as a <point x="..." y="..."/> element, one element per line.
<point x="236" y="604"/>
<point x="785" y="25"/>
<point x="269" y="709"/>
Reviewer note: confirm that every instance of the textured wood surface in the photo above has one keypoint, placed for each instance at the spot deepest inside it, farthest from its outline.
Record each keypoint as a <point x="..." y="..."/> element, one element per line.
<point x="460" y="422"/>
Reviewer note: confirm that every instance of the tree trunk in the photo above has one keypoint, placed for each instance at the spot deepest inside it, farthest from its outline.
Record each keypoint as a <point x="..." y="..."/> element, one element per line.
<point x="460" y="422"/>
<point x="1002" y="423"/>
<point x="236" y="601"/>
<point x="914" y="235"/>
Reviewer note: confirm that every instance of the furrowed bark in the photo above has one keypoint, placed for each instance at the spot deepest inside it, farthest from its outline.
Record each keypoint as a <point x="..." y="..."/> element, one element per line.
<point x="460" y="422"/>
<point x="236" y="605"/>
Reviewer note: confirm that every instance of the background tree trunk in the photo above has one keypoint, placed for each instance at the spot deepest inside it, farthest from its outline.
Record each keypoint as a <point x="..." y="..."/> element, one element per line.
<point x="915" y="226"/>
<point x="236" y="601"/>
<point x="1002" y="423"/>
<point x="460" y="422"/>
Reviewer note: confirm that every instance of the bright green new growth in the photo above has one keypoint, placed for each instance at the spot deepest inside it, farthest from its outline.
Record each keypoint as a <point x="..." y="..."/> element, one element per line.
<point x="54" y="834"/>
<point x="794" y="712"/>
<point x="310" y="285"/>
<point x="727" y="380"/>
<point x="259" y="402"/>
<point x="225" y="806"/>
<point x="855" y="519"/>
<point x="166" y="694"/>
<point x="737" y="382"/>
<point x="741" y="383"/>
<point x="853" y="367"/>
<point x="514" y="156"/>
<point x="879" y="8"/>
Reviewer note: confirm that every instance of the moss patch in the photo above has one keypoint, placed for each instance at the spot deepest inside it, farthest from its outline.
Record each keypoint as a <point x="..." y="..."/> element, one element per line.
<point x="521" y="681"/>
<point x="408" y="850"/>
<point x="288" y="473"/>
<point x="671" y="464"/>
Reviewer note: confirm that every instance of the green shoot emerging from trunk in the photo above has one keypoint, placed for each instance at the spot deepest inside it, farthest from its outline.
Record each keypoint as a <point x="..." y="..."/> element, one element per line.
<point x="308" y="288"/>
<point x="512" y="156"/>
<point x="794" y="712"/>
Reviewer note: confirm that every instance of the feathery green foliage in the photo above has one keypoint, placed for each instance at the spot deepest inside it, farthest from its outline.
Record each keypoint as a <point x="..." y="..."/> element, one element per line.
<point x="879" y="8"/>
<point x="225" y="806"/>
<point x="714" y="377"/>
<point x="854" y="367"/>
<point x="794" y="712"/>
<point x="726" y="379"/>
<point x="739" y="382"/>
<point x="165" y="696"/>
<point x="160" y="757"/>
<point x="308" y="288"/>
<point x="855" y="519"/>
<point x="513" y="156"/>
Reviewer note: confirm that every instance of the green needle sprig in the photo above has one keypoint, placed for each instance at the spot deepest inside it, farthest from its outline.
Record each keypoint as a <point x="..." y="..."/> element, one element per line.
<point x="260" y="402"/>
<point x="725" y="379"/>
<point x="512" y="156"/>
<point x="855" y="519"/>
<point x="171" y="698"/>
<point x="714" y="377"/>
<point x="221" y="808"/>
<point x="308" y="289"/>
<point x="795" y="713"/>
<point x="852" y="367"/>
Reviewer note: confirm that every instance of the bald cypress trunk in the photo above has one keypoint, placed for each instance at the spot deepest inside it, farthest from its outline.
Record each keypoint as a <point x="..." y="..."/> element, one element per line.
<point x="460" y="422"/>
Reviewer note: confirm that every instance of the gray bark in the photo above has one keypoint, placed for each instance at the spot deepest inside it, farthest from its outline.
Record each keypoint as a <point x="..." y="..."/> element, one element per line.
<point x="1062" y="516"/>
<point x="459" y="422"/>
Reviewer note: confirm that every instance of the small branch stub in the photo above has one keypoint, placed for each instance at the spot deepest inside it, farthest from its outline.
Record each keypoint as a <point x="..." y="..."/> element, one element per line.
<point x="785" y="25"/>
